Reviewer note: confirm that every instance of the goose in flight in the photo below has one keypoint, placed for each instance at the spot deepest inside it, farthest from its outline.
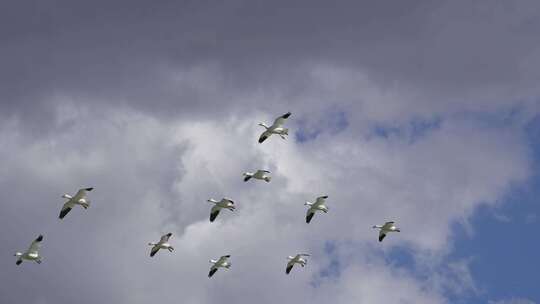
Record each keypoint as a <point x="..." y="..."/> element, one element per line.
<point x="275" y="128"/>
<point x="260" y="174"/>
<point x="222" y="262"/>
<point x="32" y="254"/>
<point x="218" y="205"/>
<point x="384" y="229"/>
<point x="313" y="207"/>
<point x="78" y="199"/>
<point x="296" y="260"/>
<point x="162" y="244"/>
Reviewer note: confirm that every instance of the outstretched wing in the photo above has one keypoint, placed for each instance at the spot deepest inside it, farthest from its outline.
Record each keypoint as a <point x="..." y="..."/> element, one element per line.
<point x="302" y="254"/>
<point x="289" y="267"/>
<point x="154" y="250"/>
<point x="34" y="247"/>
<point x="281" y="120"/>
<point x="65" y="209"/>
<point x="223" y="259"/>
<point x="212" y="271"/>
<point x="309" y="215"/>
<point x="247" y="177"/>
<point x="381" y="235"/>
<point x="320" y="200"/>
<point x="264" y="136"/>
<point x="82" y="193"/>
<point x="388" y="225"/>
<point x="214" y="213"/>
<point x="165" y="238"/>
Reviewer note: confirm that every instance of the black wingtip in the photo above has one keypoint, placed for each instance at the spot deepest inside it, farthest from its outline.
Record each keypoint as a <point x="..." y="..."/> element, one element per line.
<point x="247" y="178"/>
<point x="286" y="115"/>
<point x="39" y="238"/>
<point x="19" y="262"/>
<point x="169" y="234"/>
<point x="89" y="189"/>
<point x="262" y="139"/>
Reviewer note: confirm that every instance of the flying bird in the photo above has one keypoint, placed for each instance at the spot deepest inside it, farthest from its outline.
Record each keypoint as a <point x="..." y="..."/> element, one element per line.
<point x="317" y="206"/>
<point x="162" y="244"/>
<point x="384" y="229"/>
<point x="218" y="205"/>
<point x="276" y="128"/>
<point x="32" y="254"/>
<point x="221" y="263"/>
<point x="78" y="199"/>
<point x="260" y="174"/>
<point x="296" y="260"/>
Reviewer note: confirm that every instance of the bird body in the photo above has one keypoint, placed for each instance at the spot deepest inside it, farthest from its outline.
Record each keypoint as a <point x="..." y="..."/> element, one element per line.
<point x="32" y="254"/>
<point x="319" y="205"/>
<point x="225" y="203"/>
<point x="162" y="244"/>
<point x="222" y="262"/>
<point x="260" y="174"/>
<point x="386" y="228"/>
<point x="296" y="260"/>
<point x="78" y="199"/>
<point x="275" y="128"/>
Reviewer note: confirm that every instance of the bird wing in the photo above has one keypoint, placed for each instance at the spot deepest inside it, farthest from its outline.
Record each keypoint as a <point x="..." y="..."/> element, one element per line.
<point x="265" y="171"/>
<point x="227" y="200"/>
<point x="154" y="250"/>
<point x="264" y="136"/>
<point x="302" y="254"/>
<point x="320" y="200"/>
<point x="65" y="209"/>
<point x="247" y="177"/>
<point x="281" y="120"/>
<point x="309" y="215"/>
<point x="223" y="259"/>
<point x="388" y="225"/>
<point x="34" y="247"/>
<point x="212" y="271"/>
<point x="165" y="238"/>
<point x="381" y="235"/>
<point x="81" y="193"/>
<point x="214" y="213"/>
<point x="289" y="267"/>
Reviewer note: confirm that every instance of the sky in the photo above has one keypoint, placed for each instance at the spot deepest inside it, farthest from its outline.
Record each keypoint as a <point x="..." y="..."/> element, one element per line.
<point x="425" y="113"/>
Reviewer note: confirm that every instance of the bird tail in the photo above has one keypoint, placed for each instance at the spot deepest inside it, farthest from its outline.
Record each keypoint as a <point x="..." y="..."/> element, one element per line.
<point x="286" y="132"/>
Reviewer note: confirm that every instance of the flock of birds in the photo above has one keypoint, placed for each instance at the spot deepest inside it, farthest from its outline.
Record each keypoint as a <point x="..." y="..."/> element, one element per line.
<point x="80" y="198"/>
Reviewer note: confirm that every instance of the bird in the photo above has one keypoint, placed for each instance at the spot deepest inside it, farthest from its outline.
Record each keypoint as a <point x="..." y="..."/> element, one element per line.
<point x="296" y="260"/>
<point x="384" y="229"/>
<point x="162" y="244"/>
<point x="78" y="199"/>
<point x="224" y="203"/>
<point x="260" y="174"/>
<point x="313" y="207"/>
<point x="275" y="128"/>
<point x="32" y="254"/>
<point x="222" y="262"/>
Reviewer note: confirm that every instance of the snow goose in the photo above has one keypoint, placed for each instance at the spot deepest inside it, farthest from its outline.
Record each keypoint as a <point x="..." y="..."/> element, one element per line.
<point x="218" y="205"/>
<point x="313" y="207"/>
<point x="222" y="262"/>
<point x="296" y="260"/>
<point x="275" y="128"/>
<point x="32" y="254"/>
<point x="260" y="174"/>
<point x="384" y="229"/>
<point x="162" y="244"/>
<point x="78" y="199"/>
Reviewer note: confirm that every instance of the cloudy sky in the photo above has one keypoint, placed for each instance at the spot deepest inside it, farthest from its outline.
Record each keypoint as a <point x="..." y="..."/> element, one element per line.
<point x="422" y="112"/>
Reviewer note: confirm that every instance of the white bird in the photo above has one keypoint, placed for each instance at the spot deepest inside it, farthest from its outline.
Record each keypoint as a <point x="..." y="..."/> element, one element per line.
<point x="32" y="254"/>
<point x="296" y="260"/>
<point x="224" y="203"/>
<point x="276" y="128"/>
<point x="384" y="229"/>
<point x="260" y="174"/>
<point x="317" y="206"/>
<point x="222" y="262"/>
<point x="162" y="244"/>
<point x="78" y="199"/>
